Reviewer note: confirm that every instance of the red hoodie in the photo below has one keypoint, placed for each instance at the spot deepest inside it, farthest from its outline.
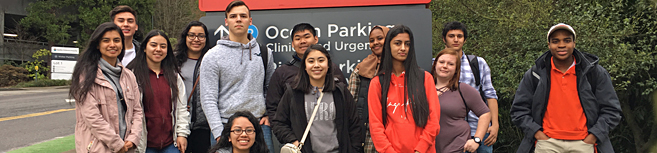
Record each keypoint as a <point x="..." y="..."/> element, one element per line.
<point x="400" y="134"/>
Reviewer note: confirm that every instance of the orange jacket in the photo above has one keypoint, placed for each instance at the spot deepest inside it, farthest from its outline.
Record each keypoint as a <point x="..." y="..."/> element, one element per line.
<point x="400" y="134"/>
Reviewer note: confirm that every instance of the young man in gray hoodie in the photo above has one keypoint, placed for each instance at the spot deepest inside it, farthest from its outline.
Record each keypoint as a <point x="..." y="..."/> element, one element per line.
<point x="233" y="74"/>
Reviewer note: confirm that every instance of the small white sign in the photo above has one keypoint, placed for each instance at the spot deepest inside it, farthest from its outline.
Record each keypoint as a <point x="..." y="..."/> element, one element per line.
<point x="63" y="69"/>
<point x="60" y="76"/>
<point x="66" y="50"/>
<point x="62" y="66"/>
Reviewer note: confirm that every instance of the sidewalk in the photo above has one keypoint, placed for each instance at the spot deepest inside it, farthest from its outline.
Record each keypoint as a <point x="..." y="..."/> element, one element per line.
<point x="18" y="91"/>
<point x="33" y="88"/>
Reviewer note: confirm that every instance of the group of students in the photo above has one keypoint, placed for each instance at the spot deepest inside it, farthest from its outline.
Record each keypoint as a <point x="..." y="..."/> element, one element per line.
<point x="149" y="97"/>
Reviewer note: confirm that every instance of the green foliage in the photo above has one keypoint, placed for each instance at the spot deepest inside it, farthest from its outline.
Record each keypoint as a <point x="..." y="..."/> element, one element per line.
<point x="42" y="71"/>
<point x="173" y="42"/>
<point x="93" y="13"/>
<point x="56" y="20"/>
<point x="12" y="75"/>
<point x="43" y="83"/>
<point x="510" y="35"/>
<point x="49" y="20"/>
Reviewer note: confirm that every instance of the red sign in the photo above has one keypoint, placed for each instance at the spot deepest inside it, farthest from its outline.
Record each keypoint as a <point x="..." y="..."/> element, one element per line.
<point x="220" y="5"/>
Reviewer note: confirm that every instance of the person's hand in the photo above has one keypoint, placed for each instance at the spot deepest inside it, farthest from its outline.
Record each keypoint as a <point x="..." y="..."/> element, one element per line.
<point x="123" y="149"/>
<point x="182" y="144"/>
<point x="590" y="139"/>
<point x="218" y="139"/>
<point x="470" y="146"/>
<point x="264" y="120"/>
<point x="128" y="145"/>
<point x="540" y="135"/>
<point x="492" y="137"/>
<point x="296" y="143"/>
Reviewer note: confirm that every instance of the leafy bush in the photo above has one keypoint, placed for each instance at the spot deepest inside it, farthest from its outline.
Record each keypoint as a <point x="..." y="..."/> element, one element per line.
<point x="36" y="67"/>
<point x="11" y="75"/>
<point x="510" y="35"/>
<point x="44" y="83"/>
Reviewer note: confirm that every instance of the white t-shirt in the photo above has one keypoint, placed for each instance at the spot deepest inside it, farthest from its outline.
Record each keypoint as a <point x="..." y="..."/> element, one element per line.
<point x="129" y="55"/>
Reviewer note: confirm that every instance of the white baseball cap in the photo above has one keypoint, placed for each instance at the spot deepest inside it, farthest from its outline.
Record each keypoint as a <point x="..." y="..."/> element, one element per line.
<point x="559" y="27"/>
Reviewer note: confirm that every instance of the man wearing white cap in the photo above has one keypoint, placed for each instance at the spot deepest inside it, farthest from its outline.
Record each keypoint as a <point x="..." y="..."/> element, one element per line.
<point x="566" y="102"/>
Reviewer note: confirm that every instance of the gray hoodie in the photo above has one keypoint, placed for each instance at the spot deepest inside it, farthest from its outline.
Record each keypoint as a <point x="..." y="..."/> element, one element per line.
<point x="232" y="76"/>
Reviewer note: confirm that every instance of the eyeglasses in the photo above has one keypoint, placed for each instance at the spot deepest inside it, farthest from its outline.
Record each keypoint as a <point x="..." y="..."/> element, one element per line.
<point x="240" y="131"/>
<point x="192" y="37"/>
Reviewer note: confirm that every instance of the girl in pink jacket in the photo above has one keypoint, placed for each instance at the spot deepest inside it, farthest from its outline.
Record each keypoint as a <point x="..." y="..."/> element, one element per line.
<point x="108" y="111"/>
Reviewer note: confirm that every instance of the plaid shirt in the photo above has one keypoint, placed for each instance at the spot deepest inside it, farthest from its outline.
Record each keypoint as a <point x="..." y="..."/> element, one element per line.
<point x="354" y="82"/>
<point x="487" y="86"/>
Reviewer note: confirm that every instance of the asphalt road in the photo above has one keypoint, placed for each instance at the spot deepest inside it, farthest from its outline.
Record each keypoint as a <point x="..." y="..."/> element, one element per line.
<point x="22" y="132"/>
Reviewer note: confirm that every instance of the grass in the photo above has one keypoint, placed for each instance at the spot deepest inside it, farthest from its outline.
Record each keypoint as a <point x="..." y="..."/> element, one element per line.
<point x="58" y="145"/>
<point x="43" y="83"/>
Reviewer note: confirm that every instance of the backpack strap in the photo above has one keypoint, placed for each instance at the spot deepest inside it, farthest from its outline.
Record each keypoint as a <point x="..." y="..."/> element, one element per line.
<point x="264" y="54"/>
<point x="474" y="66"/>
<point x="535" y="77"/>
<point x="464" y="103"/>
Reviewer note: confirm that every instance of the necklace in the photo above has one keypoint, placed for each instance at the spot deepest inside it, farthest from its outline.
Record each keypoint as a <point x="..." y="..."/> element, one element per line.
<point x="441" y="90"/>
<point x="316" y="90"/>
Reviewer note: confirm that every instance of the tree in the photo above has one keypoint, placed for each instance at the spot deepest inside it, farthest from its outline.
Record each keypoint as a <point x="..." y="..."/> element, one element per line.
<point x="171" y="16"/>
<point x="55" y="20"/>
<point x="93" y="13"/>
<point x="49" y="20"/>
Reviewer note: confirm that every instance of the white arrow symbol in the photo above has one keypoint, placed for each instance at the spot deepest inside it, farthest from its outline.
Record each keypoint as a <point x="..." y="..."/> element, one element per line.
<point x="222" y="29"/>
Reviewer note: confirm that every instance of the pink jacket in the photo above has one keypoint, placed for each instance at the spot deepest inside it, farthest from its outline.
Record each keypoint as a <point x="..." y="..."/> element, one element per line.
<point x="97" y="120"/>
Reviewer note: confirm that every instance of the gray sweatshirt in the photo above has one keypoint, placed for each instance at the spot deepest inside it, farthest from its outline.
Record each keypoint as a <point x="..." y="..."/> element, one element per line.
<point x="232" y="77"/>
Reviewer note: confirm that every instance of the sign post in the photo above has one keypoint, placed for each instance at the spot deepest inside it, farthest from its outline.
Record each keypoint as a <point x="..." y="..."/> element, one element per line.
<point x="63" y="62"/>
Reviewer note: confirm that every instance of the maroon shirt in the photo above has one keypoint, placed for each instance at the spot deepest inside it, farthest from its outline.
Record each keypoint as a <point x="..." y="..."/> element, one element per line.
<point x="157" y="109"/>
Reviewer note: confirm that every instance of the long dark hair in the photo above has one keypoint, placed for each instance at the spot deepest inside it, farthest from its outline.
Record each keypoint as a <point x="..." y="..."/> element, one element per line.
<point x="302" y="80"/>
<point x="259" y="145"/>
<point x="414" y="84"/>
<point x="181" y="46"/>
<point x="454" y="82"/>
<point x="87" y="64"/>
<point x="169" y="66"/>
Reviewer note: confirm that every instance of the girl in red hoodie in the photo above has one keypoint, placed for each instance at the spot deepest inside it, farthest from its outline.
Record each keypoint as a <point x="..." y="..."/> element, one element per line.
<point x="403" y="106"/>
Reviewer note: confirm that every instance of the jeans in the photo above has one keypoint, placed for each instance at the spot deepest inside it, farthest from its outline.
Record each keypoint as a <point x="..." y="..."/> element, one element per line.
<point x="267" y="133"/>
<point x="167" y="149"/>
<point x="213" y="141"/>
<point x="484" y="148"/>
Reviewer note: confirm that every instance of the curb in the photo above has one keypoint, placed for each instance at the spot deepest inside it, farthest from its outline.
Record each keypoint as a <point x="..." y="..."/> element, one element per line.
<point x="10" y="89"/>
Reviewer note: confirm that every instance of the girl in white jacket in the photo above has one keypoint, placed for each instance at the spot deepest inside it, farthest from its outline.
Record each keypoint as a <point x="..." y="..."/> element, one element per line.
<point x="165" y="111"/>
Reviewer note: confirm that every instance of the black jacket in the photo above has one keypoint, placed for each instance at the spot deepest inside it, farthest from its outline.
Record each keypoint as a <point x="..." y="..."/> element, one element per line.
<point x="601" y="106"/>
<point x="198" y="120"/>
<point x="290" y="120"/>
<point x="137" y="44"/>
<point x="284" y="75"/>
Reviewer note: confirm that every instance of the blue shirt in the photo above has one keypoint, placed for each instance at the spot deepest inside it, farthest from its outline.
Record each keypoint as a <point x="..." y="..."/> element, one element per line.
<point x="487" y="86"/>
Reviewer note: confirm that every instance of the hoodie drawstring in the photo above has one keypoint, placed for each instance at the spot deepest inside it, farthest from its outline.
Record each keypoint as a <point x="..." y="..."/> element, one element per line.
<point x="250" y="56"/>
